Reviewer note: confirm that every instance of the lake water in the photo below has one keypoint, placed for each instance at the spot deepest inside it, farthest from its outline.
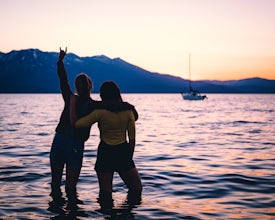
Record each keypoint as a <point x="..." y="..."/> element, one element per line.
<point x="211" y="159"/>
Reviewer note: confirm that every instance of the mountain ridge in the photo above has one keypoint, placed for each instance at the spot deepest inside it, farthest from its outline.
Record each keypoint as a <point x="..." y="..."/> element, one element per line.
<point x="34" y="71"/>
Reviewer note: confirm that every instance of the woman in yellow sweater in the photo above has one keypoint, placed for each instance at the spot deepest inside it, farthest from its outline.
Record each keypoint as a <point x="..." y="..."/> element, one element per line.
<point x="115" y="153"/>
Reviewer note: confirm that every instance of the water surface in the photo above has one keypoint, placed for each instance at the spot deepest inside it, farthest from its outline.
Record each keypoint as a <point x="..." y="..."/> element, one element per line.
<point x="211" y="159"/>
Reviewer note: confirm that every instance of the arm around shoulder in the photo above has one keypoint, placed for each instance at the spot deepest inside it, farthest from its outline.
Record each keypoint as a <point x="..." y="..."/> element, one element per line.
<point x="85" y="121"/>
<point x="133" y="109"/>
<point x="135" y="113"/>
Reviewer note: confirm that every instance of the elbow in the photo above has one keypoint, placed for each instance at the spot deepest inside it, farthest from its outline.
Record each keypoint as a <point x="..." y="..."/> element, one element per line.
<point x="76" y="124"/>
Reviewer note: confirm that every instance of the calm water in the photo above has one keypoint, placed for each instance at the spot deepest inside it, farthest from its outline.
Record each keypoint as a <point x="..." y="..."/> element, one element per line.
<point x="212" y="159"/>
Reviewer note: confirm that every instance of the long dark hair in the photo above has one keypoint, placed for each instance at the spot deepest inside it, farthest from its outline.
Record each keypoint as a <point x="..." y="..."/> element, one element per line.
<point x="83" y="85"/>
<point x="109" y="90"/>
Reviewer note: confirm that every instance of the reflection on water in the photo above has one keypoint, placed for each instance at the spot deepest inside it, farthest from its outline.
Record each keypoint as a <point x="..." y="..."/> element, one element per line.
<point x="198" y="160"/>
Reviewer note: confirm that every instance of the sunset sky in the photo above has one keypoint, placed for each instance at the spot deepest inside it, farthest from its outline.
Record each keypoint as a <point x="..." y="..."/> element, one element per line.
<point x="227" y="39"/>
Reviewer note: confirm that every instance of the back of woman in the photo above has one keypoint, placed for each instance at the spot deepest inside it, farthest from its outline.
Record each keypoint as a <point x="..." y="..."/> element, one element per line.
<point x="113" y="126"/>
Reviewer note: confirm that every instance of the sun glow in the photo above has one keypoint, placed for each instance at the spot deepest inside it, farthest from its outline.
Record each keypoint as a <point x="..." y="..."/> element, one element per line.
<point x="227" y="39"/>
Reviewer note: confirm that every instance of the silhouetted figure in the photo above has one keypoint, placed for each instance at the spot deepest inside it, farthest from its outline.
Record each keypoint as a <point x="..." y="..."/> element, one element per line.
<point x="68" y="143"/>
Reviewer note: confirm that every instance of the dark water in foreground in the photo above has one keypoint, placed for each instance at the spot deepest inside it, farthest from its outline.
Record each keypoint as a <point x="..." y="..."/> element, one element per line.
<point x="212" y="159"/>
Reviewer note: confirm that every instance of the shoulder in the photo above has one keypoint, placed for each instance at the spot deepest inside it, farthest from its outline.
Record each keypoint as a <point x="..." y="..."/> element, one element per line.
<point x="130" y="114"/>
<point x="99" y="112"/>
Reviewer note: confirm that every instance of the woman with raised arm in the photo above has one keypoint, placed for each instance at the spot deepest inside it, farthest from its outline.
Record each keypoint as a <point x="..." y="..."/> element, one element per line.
<point x="68" y="143"/>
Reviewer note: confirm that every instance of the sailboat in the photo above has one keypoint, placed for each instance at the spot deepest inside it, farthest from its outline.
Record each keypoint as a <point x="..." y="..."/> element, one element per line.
<point x="192" y="94"/>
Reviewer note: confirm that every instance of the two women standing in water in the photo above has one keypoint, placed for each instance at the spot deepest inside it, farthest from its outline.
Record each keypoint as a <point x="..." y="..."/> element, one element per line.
<point x="115" y="153"/>
<point x="115" y="120"/>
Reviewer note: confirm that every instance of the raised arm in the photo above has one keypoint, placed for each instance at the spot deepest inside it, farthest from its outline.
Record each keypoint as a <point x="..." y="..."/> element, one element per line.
<point x="62" y="74"/>
<point x="62" y="54"/>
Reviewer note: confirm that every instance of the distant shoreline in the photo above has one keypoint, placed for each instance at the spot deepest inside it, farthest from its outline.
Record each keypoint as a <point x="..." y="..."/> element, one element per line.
<point x="222" y="93"/>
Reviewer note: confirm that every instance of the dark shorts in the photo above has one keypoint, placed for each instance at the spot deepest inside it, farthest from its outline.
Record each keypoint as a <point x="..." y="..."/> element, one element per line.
<point x="111" y="158"/>
<point x="67" y="150"/>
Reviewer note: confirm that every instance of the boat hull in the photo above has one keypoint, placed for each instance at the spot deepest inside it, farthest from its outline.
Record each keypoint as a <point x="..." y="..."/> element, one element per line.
<point x="193" y="96"/>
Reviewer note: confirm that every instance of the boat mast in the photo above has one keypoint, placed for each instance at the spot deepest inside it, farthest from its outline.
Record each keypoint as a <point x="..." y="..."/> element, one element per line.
<point x="189" y="70"/>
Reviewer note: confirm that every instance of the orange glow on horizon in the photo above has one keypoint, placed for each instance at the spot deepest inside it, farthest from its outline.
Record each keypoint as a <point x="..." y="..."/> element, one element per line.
<point x="227" y="39"/>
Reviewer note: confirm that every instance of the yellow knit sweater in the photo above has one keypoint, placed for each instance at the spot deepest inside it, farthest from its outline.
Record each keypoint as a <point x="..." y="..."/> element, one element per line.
<point x="113" y="126"/>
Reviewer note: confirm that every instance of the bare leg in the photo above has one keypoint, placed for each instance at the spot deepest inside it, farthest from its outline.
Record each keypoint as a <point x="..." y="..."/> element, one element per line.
<point x="105" y="181"/>
<point x="56" y="171"/>
<point x="132" y="179"/>
<point x="72" y="176"/>
<point x="57" y="199"/>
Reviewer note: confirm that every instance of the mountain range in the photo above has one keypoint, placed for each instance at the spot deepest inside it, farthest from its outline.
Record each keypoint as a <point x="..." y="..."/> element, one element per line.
<point x="34" y="71"/>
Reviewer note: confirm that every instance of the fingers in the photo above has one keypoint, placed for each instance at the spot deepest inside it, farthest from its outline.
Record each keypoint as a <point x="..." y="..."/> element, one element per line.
<point x="62" y="54"/>
<point x="63" y="50"/>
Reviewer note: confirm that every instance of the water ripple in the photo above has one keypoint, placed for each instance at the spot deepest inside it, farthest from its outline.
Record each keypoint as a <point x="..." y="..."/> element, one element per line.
<point x="197" y="160"/>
